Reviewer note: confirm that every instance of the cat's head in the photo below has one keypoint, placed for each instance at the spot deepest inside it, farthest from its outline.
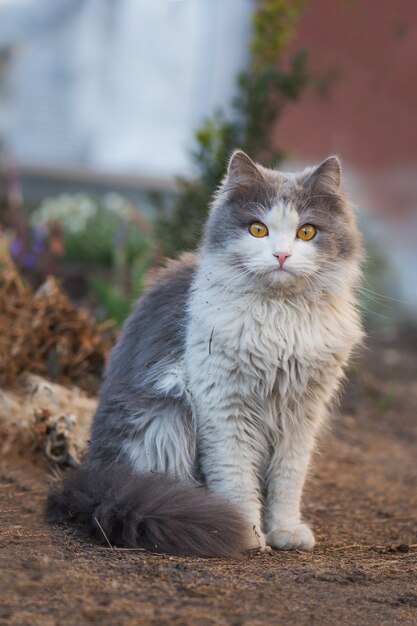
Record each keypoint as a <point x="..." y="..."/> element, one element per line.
<point x="286" y="231"/>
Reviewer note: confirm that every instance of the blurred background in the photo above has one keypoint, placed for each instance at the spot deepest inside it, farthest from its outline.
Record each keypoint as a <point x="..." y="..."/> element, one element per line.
<point x="117" y="118"/>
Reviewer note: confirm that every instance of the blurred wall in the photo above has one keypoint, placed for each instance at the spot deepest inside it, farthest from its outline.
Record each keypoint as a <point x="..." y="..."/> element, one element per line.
<point x="116" y="85"/>
<point x="363" y="100"/>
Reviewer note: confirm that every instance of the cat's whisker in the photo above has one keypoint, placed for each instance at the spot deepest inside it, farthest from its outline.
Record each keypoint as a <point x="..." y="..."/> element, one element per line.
<point x="381" y="295"/>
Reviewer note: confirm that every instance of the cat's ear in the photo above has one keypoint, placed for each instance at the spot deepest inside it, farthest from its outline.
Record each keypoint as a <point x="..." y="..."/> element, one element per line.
<point x="242" y="170"/>
<point x="327" y="176"/>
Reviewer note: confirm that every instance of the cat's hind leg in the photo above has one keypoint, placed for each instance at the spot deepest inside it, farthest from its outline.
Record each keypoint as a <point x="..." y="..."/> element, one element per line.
<point x="146" y="495"/>
<point x="162" y="438"/>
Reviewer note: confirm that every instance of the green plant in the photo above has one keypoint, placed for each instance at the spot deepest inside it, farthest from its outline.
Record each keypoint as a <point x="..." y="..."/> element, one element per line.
<point x="115" y="303"/>
<point x="262" y="91"/>
<point x="101" y="232"/>
<point x="109" y="241"/>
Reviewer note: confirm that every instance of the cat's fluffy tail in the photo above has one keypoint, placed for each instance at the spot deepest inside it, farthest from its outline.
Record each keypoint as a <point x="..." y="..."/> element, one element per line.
<point x="151" y="511"/>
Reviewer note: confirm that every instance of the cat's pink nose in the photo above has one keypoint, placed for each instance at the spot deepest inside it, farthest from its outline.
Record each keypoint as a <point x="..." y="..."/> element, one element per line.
<point x="281" y="256"/>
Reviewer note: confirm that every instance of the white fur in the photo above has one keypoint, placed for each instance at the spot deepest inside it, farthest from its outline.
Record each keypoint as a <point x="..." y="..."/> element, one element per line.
<point x="261" y="372"/>
<point x="162" y="444"/>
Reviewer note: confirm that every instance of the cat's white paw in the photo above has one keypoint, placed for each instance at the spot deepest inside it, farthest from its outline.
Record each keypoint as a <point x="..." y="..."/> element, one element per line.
<point x="298" y="537"/>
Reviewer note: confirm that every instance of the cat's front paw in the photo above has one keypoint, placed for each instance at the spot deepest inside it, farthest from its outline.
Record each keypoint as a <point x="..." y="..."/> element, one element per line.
<point x="298" y="537"/>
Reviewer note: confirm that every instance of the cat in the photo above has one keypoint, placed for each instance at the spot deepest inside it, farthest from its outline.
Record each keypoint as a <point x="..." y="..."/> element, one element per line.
<point x="224" y="373"/>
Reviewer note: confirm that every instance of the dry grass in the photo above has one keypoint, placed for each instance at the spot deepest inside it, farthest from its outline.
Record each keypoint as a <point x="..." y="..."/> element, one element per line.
<point x="44" y="333"/>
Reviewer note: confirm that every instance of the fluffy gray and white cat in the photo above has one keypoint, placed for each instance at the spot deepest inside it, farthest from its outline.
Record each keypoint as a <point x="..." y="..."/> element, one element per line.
<point x="224" y="373"/>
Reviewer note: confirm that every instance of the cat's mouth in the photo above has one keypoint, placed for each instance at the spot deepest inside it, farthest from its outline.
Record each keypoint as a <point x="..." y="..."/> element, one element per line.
<point x="281" y="275"/>
<point x="281" y="270"/>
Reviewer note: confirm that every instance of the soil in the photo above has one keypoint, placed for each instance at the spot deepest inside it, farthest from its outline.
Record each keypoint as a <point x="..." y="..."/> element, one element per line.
<point x="361" y="500"/>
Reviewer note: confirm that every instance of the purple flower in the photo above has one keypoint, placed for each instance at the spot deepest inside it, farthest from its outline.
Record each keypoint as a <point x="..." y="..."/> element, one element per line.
<point x="15" y="247"/>
<point x="28" y="260"/>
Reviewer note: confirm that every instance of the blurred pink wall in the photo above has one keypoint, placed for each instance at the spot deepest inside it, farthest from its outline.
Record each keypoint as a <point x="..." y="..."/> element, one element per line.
<point x="370" y="112"/>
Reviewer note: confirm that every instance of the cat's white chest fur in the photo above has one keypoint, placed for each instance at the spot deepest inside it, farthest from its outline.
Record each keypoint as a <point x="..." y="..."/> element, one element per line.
<point x="262" y="349"/>
<point x="260" y="372"/>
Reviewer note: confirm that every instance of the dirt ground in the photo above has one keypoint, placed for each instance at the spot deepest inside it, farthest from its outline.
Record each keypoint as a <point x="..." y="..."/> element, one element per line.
<point x="361" y="500"/>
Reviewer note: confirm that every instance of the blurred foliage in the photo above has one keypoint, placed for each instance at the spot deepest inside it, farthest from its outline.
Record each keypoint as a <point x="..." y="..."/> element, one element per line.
<point x="114" y="301"/>
<point x="105" y="246"/>
<point x="110" y="234"/>
<point x="113" y="304"/>
<point x="262" y="92"/>
<point x="107" y="232"/>
<point x="273" y="26"/>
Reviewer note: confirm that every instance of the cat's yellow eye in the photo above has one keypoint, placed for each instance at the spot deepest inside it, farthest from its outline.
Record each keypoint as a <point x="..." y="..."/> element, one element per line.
<point x="257" y="229"/>
<point x="306" y="232"/>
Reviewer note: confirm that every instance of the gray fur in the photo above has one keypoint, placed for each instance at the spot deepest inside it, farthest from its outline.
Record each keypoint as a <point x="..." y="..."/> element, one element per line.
<point x="150" y="511"/>
<point x="152" y="339"/>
